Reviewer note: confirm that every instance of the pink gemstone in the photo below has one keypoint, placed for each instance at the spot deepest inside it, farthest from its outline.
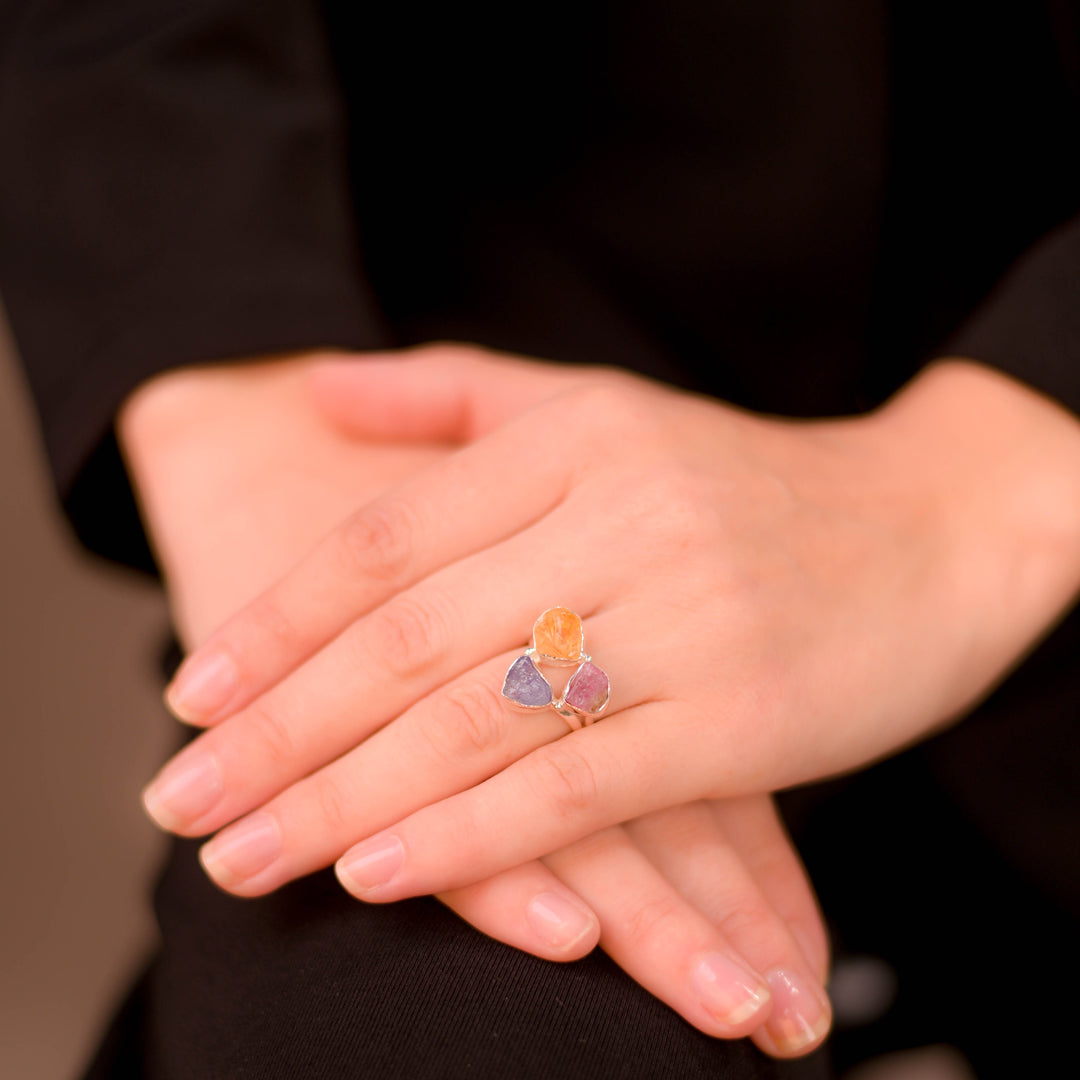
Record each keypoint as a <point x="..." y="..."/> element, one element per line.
<point x="588" y="689"/>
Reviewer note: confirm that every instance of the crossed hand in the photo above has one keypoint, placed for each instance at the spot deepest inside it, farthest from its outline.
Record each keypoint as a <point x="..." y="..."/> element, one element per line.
<point x="773" y="602"/>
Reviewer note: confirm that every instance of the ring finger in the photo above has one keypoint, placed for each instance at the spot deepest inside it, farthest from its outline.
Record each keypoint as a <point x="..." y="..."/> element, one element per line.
<point x="453" y="739"/>
<point x="368" y="675"/>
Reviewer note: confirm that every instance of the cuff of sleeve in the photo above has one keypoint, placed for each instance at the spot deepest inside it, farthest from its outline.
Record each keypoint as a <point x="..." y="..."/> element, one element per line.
<point x="1029" y="326"/>
<point x="78" y="430"/>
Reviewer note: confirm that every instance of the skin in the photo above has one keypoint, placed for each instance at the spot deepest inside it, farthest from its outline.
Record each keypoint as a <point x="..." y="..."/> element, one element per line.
<point x="817" y="596"/>
<point x="240" y="470"/>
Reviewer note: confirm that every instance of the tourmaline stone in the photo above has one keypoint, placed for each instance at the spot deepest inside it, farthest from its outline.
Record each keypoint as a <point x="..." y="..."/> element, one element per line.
<point x="524" y="685"/>
<point x="588" y="689"/>
<point x="558" y="634"/>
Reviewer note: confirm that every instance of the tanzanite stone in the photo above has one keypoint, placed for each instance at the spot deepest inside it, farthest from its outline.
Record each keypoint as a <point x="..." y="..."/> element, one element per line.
<point x="524" y="685"/>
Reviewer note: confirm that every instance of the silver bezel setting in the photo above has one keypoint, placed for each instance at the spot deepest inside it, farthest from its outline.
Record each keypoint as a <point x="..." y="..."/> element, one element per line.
<point x="574" y="717"/>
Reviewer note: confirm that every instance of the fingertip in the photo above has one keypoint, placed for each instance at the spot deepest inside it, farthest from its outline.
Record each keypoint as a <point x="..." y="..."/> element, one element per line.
<point x="177" y="711"/>
<point x="564" y="924"/>
<point x="157" y="813"/>
<point x="733" y="996"/>
<point x="369" y="867"/>
<point x="242" y="856"/>
<point x="800" y="1019"/>
<point x="184" y="792"/>
<point x="202" y="687"/>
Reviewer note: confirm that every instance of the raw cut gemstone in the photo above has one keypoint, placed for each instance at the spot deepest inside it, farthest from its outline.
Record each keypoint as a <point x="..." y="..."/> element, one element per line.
<point x="558" y="634"/>
<point x="588" y="689"/>
<point x="524" y="684"/>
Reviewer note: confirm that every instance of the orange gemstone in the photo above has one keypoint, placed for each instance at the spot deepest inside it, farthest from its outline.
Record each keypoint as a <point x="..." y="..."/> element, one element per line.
<point x="557" y="634"/>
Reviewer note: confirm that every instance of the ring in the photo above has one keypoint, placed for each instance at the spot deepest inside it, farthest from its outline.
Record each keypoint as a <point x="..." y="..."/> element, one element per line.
<point x="558" y="641"/>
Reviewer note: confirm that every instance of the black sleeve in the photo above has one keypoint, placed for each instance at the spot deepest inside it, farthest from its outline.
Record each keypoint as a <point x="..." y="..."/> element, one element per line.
<point x="1029" y="326"/>
<point x="173" y="189"/>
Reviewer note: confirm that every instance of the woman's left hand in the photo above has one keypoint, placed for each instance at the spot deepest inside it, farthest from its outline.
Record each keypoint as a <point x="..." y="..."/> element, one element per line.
<point x="774" y="601"/>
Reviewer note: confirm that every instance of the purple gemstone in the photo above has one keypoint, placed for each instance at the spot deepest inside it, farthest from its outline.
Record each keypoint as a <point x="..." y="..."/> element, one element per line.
<point x="524" y="684"/>
<point x="588" y="689"/>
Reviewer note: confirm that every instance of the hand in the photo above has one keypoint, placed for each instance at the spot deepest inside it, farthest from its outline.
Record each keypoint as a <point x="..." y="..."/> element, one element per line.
<point x="692" y="902"/>
<point x="238" y="474"/>
<point x="775" y="602"/>
<point x="705" y="905"/>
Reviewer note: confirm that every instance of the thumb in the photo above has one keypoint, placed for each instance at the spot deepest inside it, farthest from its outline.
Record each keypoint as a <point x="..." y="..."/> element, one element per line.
<point x="437" y="393"/>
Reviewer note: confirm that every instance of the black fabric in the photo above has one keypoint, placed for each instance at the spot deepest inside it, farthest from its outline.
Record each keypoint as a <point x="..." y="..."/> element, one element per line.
<point x="791" y="205"/>
<point x="174" y="190"/>
<point x="307" y="983"/>
<point x="1031" y="327"/>
<point x="909" y="875"/>
<point x="984" y="162"/>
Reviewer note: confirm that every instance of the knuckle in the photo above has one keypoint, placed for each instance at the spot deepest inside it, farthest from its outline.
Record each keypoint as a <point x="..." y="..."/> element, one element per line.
<point x="772" y="860"/>
<point x="567" y="779"/>
<point x="409" y="635"/>
<point x="608" y="404"/>
<point x="752" y="929"/>
<point x="675" y="496"/>
<point x="648" y="505"/>
<point x="469" y="719"/>
<point x="335" y="806"/>
<point x="273" y="623"/>
<point x="651" y="921"/>
<point x="378" y="542"/>
<point x="669" y="511"/>
<point x="275" y="734"/>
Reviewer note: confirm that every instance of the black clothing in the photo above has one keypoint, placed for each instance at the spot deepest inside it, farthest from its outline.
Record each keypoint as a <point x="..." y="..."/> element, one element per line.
<point x="789" y="205"/>
<point x="404" y="990"/>
<point x="792" y="206"/>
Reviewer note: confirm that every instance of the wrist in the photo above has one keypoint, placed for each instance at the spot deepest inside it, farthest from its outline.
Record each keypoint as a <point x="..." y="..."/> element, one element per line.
<point x="997" y="469"/>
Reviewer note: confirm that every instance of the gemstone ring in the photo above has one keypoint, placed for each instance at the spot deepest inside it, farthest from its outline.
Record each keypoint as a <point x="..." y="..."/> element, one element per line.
<point x="558" y="641"/>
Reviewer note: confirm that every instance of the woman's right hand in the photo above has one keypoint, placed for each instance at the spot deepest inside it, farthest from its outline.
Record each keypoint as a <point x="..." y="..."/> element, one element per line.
<point x="238" y="476"/>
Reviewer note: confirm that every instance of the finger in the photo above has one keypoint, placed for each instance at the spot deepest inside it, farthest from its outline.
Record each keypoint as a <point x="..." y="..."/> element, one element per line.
<point x="368" y="675"/>
<point x="474" y="499"/>
<point x="452" y="740"/>
<point x="693" y="848"/>
<point x="752" y="829"/>
<point x="758" y="834"/>
<point x="559" y="793"/>
<point x="441" y="393"/>
<point x="457" y="736"/>
<point x="661" y="940"/>
<point x="529" y="908"/>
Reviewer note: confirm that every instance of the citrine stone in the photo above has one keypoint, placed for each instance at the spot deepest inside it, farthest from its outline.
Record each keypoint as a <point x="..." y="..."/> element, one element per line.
<point x="524" y="685"/>
<point x="588" y="690"/>
<point x="558" y="635"/>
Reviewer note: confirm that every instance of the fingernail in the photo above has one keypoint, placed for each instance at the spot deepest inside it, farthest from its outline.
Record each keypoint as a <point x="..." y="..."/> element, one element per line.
<point x="372" y="864"/>
<point x="242" y="850"/>
<point x="202" y="686"/>
<point x="185" y="790"/>
<point x="557" y="920"/>
<point x="801" y="1013"/>
<point x="729" y="992"/>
